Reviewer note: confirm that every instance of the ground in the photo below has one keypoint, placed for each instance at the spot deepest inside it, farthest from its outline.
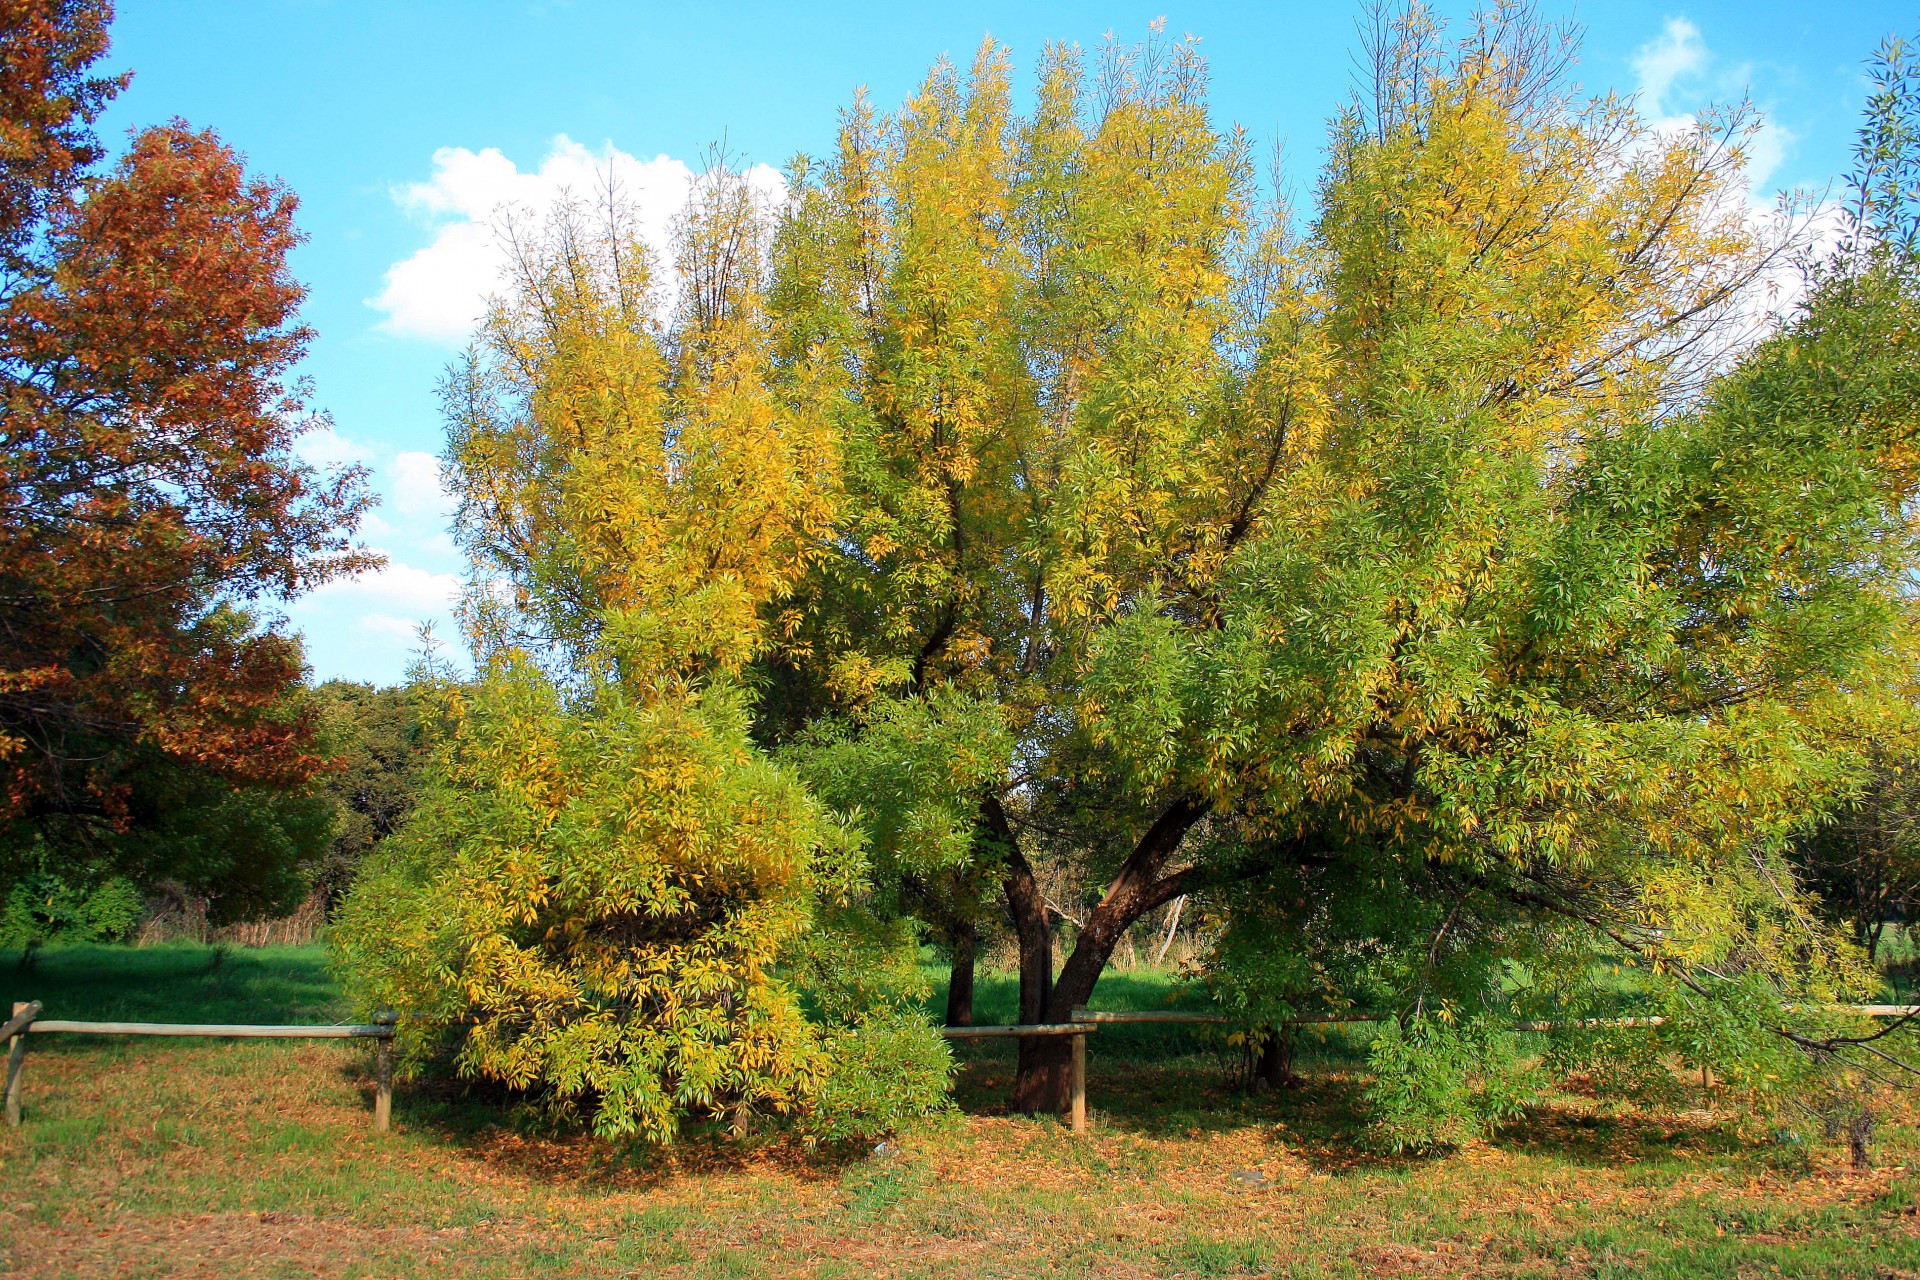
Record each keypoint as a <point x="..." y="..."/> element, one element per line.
<point x="204" y="1158"/>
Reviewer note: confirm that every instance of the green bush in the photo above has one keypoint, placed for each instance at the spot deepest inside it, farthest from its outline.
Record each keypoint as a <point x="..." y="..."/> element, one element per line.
<point x="43" y="908"/>
<point x="1438" y="1082"/>
<point x="623" y="908"/>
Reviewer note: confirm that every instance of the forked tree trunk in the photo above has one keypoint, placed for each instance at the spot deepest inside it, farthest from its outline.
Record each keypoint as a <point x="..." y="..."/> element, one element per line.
<point x="966" y="942"/>
<point x="1041" y="1078"/>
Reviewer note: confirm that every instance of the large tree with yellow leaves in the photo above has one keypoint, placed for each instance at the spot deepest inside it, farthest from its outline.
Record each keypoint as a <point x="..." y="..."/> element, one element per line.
<point x="1444" y="587"/>
<point x="1433" y="583"/>
<point x="606" y="895"/>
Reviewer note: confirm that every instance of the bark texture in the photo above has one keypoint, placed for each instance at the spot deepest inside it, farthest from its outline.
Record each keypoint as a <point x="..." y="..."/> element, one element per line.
<point x="966" y="943"/>
<point x="1143" y="883"/>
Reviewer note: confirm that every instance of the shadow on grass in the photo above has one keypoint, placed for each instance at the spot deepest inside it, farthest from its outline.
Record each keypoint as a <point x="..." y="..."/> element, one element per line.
<point x="505" y="1129"/>
<point x="1609" y="1139"/>
<point x="1150" y="1079"/>
<point x="1903" y="980"/>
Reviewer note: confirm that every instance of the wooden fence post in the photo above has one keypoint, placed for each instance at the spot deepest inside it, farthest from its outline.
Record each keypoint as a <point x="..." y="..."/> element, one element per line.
<point x="17" y="1055"/>
<point x="1077" y="1083"/>
<point x="383" y="1072"/>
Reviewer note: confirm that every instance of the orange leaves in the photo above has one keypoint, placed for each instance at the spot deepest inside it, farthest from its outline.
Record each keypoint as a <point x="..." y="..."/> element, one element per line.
<point x="47" y="106"/>
<point x="147" y="423"/>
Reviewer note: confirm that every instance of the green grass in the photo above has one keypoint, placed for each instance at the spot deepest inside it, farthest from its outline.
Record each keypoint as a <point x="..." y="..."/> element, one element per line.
<point x="1899" y="958"/>
<point x="209" y="1158"/>
<point x="180" y="982"/>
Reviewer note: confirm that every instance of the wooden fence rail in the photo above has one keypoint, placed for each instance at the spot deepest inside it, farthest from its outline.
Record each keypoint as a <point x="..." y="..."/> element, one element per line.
<point x="240" y="1030"/>
<point x="25" y="1021"/>
<point x="1081" y="1013"/>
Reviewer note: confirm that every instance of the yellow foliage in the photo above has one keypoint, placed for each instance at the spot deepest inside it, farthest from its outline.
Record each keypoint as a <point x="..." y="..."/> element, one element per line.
<point x="611" y="465"/>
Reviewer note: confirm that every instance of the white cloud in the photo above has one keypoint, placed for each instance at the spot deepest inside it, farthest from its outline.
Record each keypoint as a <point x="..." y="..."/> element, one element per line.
<point x="390" y="627"/>
<point x="1678" y="52"/>
<point x="439" y="291"/>
<point x="1679" y="75"/>
<point x="415" y="488"/>
<point x="395" y="586"/>
<point x="325" y="448"/>
<point x="367" y="628"/>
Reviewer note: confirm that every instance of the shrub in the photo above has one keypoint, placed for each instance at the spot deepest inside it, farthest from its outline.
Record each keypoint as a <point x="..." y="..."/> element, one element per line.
<point x="626" y="910"/>
<point x="1438" y="1082"/>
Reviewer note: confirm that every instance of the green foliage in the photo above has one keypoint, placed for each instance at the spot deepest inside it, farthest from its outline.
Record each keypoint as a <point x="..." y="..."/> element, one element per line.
<point x="42" y="909"/>
<point x="1732" y="1033"/>
<point x="597" y="903"/>
<point x="1445" y="586"/>
<point x="1553" y="664"/>
<point x="1308" y="941"/>
<point x="377" y="743"/>
<point x="249" y="850"/>
<point x="1884" y="211"/>
<point x="1863" y="864"/>
<point x="907" y="770"/>
<point x="878" y="1073"/>
<point x="1863" y="859"/>
<point x="1440" y="1082"/>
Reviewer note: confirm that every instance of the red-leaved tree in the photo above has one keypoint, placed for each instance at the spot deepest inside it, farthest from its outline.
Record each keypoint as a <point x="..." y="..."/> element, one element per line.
<point x="149" y="489"/>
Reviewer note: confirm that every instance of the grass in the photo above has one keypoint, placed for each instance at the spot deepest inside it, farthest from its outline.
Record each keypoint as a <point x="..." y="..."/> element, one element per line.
<point x="179" y="982"/>
<point x="1900" y="961"/>
<point x="207" y="1158"/>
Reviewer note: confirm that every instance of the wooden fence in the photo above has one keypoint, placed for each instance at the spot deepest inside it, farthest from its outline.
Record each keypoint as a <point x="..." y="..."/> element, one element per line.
<point x="26" y="1020"/>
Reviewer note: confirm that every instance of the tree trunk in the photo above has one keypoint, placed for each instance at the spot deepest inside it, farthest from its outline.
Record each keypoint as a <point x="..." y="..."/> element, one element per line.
<point x="1027" y="909"/>
<point x="966" y="942"/>
<point x="1173" y="927"/>
<point x="1859" y="1135"/>
<point x="1041" y="1078"/>
<point x="1274" y="1068"/>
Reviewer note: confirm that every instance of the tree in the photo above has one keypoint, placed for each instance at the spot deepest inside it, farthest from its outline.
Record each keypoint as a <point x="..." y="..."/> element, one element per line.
<point x="1038" y="322"/>
<point x="148" y="488"/>
<point x="1863" y="864"/>
<point x="906" y="771"/>
<point x="1422" y="548"/>
<point x="1864" y="861"/>
<point x="378" y="744"/>
<point x="1445" y="591"/>
<point x="606" y="895"/>
<point x="1881" y="216"/>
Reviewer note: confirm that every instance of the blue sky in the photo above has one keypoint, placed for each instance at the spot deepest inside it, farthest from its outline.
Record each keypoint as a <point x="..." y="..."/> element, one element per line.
<point x="401" y="124"/>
